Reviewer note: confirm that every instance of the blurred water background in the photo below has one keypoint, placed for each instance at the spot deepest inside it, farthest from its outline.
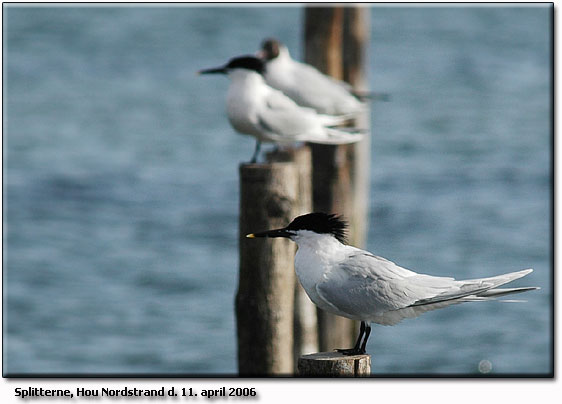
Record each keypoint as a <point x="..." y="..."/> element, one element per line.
<point x="121" y="183"/>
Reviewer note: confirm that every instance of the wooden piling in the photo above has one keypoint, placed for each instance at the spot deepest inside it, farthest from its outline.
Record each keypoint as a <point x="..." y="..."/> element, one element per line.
<point x="271" y="195"/>
<point x="340" y="173"/>
<point x="265" y="297"/>
<point x="305" y="317"/>
<point x="355" y="45"/>
<point x="323" y="34"/>
<point x="334" y="364"/>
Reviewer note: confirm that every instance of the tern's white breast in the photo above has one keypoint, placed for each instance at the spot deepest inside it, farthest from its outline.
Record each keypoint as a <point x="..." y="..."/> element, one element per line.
<point x="245" y="93"/>
<point x="316" y="258"/>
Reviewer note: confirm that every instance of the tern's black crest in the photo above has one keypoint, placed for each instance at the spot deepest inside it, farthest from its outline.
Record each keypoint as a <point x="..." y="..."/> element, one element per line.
<point x="321" y="223"/>
<point x="270" y="48"/>
<point x="246" y="62"/>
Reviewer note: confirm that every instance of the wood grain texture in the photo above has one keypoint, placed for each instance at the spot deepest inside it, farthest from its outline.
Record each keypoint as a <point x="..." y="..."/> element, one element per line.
<point x="265" y="297"/>
<point x="334" y="364"/>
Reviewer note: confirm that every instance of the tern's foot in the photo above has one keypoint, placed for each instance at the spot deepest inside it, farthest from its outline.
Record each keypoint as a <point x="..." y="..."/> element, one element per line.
<point x="351" y="351"/>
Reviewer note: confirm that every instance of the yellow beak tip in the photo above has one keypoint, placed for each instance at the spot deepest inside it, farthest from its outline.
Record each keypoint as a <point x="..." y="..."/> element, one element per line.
<point x="251" y="235"/>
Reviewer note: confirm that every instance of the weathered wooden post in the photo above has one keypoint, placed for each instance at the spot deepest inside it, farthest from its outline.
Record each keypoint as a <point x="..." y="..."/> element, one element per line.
<point x="305" y="317"/>
<point x="340" y="173"/>
<point x="355" y="42"/>
<point x="271" y="195"/>
<point x="334" y="364"/>
<point x="264" y="302"/>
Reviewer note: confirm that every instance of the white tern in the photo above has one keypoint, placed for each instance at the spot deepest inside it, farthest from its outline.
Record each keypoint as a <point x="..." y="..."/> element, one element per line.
<point x="256" y="109"/>
<point x="356" y="284"/>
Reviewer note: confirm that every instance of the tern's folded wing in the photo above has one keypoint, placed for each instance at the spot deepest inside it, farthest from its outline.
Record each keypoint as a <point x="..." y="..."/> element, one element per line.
<point x="324" y="93"/>
<point x="364" y="286"/>
<point x="278" y="101"/>
<point x="284" y="120"/>
<point x="371" y="288"/>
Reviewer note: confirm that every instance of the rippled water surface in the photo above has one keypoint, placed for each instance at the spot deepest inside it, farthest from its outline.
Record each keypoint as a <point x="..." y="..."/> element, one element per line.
<point x="121" y="183"/>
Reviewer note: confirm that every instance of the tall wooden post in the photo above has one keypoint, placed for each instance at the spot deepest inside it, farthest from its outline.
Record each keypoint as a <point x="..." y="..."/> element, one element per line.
<point x="340" y="173"/>
<point x="264" y="302"/>
<point x="306" y="319"/>
<point x="305" y="339"/>
<point x="355" y="42"/>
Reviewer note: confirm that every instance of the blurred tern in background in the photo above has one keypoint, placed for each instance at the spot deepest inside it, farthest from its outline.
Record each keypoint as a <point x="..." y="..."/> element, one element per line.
<point x="256" y="109"/>
<point x="356" y="284"/>
<point x="306" y="85"/>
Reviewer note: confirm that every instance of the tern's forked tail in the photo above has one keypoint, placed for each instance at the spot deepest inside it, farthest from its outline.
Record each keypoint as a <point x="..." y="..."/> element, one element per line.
<point x="338" y="136"/>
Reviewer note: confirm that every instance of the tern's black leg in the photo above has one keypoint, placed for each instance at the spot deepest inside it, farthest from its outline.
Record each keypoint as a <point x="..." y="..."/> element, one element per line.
<point x="256" y="152"/>
<point x="367" y="333"/>
<point x="358" y="349"/>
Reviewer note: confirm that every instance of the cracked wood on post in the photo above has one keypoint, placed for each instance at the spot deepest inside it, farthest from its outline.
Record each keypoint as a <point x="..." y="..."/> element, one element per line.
<point x="340" y="173"/>
<point x="305" y="321"/>
<point x="334" y="364"/>
<point x="264" y="302"/>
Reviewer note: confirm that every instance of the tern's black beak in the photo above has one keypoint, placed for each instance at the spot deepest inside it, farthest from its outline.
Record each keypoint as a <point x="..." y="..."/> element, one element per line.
<point x="214" y="70"/>
<point x="272" y="233"/>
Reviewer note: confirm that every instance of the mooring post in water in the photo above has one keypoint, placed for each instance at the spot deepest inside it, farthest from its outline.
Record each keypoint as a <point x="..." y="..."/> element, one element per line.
<point x="305" y="334"/>
<point x="340" y="173"/>
<point x="305" y="317"/>
<point x="334" y="364"/>
<point x="265" y="297"/>
<point x="355" y="43"/>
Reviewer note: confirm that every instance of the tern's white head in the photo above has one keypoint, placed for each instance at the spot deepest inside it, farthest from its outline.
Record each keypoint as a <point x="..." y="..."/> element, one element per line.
<point x="310" y="226"/>
<point x="272" y="49"/>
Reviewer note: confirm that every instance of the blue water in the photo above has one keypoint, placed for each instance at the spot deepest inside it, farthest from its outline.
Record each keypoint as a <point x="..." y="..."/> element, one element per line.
<point x="121" y="183"/>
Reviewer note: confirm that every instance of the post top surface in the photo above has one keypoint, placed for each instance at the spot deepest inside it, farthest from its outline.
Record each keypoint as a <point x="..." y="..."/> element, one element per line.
<point x="332" y="356"/>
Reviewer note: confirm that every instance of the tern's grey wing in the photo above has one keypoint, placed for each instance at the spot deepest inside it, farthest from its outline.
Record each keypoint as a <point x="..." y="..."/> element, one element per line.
<point x="315" y="79"/>
<point x="278" y="101"/>
<point x="371" y="288"/>
<point x="424" y="288"/>
<point x="364" y="285"/>
<point x="324" y="93"/>
<point x="483" y="287"/>
<point x="286" y="121"/>
<point x="393" y="317"/>
<point x="389" y="308"/>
